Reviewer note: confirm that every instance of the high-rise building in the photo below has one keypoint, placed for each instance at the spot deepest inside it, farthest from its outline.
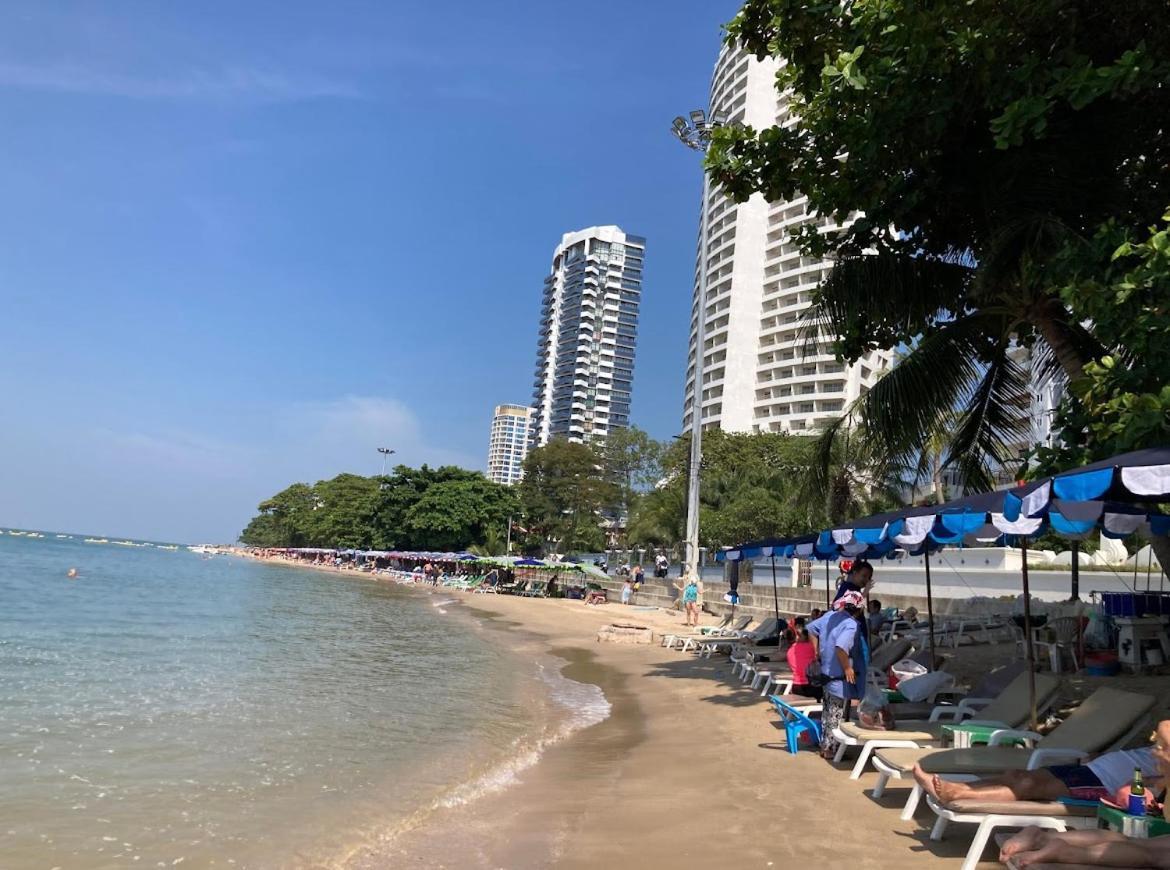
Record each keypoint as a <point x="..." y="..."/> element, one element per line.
<point x="508" y="444"/>
<point x="759" y="372"/>
<point x="588" y="330"/>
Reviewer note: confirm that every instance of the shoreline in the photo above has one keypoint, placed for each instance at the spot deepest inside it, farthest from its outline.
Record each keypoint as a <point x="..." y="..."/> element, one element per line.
<point x="688" y="770"/>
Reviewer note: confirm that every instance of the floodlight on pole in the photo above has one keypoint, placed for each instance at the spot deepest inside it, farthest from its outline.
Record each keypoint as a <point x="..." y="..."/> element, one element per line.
<point x="696" y="134"/>
<point x="386" y="453"/>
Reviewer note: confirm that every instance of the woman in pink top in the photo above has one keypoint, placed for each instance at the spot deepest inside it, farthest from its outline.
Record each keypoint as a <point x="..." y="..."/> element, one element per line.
<point x="800" y="654"/>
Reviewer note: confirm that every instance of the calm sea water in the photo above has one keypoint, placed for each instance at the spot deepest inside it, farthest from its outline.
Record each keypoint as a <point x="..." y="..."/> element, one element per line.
<point x="164" y="709"/>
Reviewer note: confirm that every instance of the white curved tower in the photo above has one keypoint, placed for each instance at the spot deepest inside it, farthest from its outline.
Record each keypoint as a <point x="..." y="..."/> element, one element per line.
<point x="757" y="376"/>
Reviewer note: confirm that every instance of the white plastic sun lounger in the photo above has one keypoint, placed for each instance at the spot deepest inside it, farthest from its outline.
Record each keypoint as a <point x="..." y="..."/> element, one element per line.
<point x="1009" y="710"/>
<point x="1108" y="719"/>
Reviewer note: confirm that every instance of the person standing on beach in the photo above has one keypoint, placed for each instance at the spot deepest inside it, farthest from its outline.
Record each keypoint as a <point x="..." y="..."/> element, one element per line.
<point x="691" y="588"/>
<point x="840" y="641"/>
<point x="859" y="579"/>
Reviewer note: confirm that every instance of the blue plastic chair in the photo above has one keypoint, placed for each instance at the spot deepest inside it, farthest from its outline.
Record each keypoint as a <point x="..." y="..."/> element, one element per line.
<point x="796" y="723"/>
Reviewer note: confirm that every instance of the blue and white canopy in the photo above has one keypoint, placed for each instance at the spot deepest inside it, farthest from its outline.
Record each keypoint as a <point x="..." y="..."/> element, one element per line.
<point x="1112" y="496"/>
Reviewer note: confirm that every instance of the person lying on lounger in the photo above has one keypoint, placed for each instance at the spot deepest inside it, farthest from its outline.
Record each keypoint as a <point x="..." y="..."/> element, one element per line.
<point x="1093" y="848"/>
<point x="1098" y="848"/>
<point x="1103" y="777"/>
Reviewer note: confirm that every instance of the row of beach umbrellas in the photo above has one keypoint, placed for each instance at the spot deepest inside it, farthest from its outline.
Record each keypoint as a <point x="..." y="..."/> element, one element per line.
<point x="1116" y="497"/>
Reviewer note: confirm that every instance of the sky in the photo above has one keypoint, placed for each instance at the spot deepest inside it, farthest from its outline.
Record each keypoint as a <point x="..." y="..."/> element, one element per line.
<point x="246" y="244"/>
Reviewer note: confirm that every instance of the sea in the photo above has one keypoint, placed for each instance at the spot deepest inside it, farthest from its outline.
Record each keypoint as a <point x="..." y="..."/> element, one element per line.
<point x="167" y="709"/>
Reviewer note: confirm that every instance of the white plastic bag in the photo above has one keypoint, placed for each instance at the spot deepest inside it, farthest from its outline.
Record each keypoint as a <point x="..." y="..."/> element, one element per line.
<point x="907" y="669"/>
<point x="922" y="687"/>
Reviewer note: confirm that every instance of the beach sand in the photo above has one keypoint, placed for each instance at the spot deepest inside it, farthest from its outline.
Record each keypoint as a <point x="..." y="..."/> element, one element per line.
<point x="689" y="770"/>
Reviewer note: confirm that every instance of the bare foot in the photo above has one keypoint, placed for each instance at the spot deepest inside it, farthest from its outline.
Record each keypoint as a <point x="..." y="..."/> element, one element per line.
<point x="925" y="780"/>
<point x="949" y="792"/>
<point x="1028" y="840"/>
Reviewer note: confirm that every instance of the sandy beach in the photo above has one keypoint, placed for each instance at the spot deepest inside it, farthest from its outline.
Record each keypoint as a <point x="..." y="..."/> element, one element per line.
<point x="688" y="771"/>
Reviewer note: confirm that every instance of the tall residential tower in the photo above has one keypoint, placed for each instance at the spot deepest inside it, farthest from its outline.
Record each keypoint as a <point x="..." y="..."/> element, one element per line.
<point x="508" y="444"/>
<point x="588" y="329"/>
<point x="757" y="376"/>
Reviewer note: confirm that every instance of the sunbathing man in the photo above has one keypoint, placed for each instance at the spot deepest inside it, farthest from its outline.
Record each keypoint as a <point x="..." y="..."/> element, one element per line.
<point x="1097" y="848"/>
<point x="1102" y="777"/>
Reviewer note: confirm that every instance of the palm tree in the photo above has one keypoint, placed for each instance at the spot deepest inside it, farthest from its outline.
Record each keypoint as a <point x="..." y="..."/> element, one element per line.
<point x="958" y="386"/>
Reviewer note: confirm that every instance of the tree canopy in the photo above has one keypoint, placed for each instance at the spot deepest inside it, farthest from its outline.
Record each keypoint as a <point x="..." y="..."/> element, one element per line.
<point x="445" y="508"/>
<point x="753" y="486"/>
<point x="981" y="163"/>
<point x="564" y="492"/>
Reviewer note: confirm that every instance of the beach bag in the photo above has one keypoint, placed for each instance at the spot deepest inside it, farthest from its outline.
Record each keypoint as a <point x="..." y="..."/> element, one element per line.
<point x="874" y="711"/>
<point x="815" y="676"/>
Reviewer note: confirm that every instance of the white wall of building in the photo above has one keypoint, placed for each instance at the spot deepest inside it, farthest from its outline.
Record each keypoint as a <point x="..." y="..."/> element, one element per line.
<point x="759" y="375"/>
<point x="508" y="443"/>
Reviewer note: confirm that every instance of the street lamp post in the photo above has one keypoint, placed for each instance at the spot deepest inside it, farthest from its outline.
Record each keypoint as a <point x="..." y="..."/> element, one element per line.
<point x="695" y="132"/>
<point x="386" y="452"/>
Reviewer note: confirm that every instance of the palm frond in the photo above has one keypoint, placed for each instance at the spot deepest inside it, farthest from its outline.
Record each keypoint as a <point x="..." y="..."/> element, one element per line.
<point x="993" y="422"/>
<point x="852" y="303"/>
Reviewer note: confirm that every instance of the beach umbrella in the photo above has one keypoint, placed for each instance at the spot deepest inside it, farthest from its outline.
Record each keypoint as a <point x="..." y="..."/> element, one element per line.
<point x="534" y="563"/>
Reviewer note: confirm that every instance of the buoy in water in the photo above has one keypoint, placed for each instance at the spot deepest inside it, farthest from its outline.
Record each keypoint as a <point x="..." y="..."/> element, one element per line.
<point x="71" y="573"/>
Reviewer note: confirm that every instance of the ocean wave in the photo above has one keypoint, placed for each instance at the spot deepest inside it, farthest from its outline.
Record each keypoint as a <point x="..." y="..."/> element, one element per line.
<point x="583" y="704"/>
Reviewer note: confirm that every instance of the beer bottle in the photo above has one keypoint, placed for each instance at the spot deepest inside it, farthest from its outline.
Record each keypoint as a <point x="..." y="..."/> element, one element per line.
<point x="1137" y="794"/>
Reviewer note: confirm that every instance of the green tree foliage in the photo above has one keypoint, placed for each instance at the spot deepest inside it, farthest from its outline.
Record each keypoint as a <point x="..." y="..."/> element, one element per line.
<point x="444" y="508"/>
<point x="755" y="486"/>
<point x="1121" y="402"/>
<point x="1000" y="140"/>
<point x="456" y="513"/>
<point x="564" y="492"/>
<point x="632" y="461"/>
<point x="284" y="520"/>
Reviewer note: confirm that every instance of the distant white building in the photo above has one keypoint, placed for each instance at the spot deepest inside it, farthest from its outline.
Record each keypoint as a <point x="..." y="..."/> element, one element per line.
<point x="757" y="376"/>
<point x="588" y="332"/>
<point x="508" y="444"/>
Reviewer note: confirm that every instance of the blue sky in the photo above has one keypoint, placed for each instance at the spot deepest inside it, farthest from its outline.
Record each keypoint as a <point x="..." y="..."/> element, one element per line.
<point x="243" y="244"/>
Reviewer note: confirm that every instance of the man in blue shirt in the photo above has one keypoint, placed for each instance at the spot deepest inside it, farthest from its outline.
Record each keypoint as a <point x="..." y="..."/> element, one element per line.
<point x="840" y="639"/>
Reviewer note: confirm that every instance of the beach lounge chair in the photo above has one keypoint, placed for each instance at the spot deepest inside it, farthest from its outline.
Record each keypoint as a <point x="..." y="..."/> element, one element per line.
<point x="725" y="626"/>
<point x="704" y="630"/>
<point x="535" y="589"/>
<point x="883" y="658"/>
<point x="1010" y="710"/>
<point x="992" y="815"/>
<point x="516" y="587"/>
<point x="1061" y="815"/>
<point x="767" y="628"/>
<point x="1107" y="719"/>
<point x="696" y="641"/>
<point x="796" y="722"/>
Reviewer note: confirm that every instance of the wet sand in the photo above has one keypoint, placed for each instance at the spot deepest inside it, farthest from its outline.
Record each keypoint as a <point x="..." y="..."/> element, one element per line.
<point x="689" y="770"/>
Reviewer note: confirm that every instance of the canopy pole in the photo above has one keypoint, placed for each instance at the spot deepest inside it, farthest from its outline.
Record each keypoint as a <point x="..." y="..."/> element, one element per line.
<point x="929" y="605"/>
<point x="1028" y="637"/>
<point x="775" y="593"/>
<point x="1075" y="549"/>
<point x="828" y="588"/>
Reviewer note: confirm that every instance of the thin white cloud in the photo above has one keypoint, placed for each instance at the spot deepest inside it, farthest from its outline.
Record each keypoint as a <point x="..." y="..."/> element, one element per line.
<point x="228" y="84"/>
